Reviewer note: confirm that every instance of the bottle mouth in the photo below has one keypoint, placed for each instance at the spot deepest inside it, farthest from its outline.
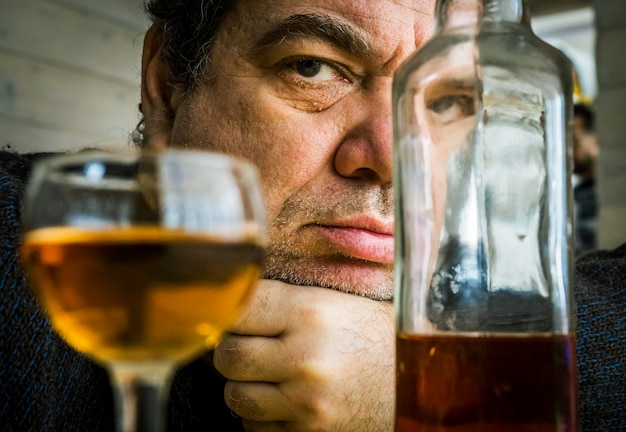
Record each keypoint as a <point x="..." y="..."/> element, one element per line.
<point x="467" y="13"/>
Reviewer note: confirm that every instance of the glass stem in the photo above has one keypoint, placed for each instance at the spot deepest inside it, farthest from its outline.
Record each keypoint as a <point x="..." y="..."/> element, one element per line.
<point x="140" y="397"/>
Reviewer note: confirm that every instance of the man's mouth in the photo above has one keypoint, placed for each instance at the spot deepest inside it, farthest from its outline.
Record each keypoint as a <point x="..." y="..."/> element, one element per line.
<point x="363" y="238"/>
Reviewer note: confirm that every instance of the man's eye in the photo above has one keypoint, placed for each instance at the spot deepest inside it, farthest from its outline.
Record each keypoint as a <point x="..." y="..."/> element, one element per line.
<point x="308" y="68"/>
<point x="313" y="70"/>
<point x="454" y="107"/>
<point x="313" y="84"/>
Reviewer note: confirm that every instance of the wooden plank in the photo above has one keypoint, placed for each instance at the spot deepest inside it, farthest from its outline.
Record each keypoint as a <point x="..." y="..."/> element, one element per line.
<point x="65" y="36"/>
<point x="544" y="7"/>
<point x="127" y="12"/>
<point x="612" y="176"/>
<point x="611" y="227"/>
<point x="59" y="98"/>
<point x="610" y="14"/>
<point x="609" y="117"/>
<point x="610" y="47"/>
<point x="29" y="138"/>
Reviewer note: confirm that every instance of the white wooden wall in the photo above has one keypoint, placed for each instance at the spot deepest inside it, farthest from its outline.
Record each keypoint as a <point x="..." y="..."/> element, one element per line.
<point x="69" y="73"/>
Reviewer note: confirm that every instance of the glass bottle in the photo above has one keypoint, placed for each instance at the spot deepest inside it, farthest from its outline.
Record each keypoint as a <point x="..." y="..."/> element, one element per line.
<point x="482" y="163"/>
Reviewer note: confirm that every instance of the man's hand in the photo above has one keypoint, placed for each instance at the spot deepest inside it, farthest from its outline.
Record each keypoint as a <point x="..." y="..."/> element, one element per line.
<point x="310" y="359"/>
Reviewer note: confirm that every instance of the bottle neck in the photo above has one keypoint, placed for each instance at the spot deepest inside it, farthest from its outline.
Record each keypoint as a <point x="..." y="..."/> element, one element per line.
<point x="454" y="13"/>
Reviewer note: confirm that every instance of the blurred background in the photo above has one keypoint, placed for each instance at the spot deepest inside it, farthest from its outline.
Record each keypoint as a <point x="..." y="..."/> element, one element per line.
<point x="70" y="72"/>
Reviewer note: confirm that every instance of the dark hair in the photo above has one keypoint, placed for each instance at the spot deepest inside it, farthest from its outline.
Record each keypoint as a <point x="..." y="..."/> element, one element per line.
<point x="187" y="29"/>
<point x="585" y="112"/>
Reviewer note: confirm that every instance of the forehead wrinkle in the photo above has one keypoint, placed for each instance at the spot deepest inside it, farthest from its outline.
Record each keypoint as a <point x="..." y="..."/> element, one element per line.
<point x="317" y="26"/>
<point x="420" y="6"/>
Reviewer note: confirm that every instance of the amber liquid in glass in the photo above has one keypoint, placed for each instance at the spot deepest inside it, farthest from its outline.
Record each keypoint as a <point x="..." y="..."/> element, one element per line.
<point x="485" y="384"/>
<point x="140" y="294"/>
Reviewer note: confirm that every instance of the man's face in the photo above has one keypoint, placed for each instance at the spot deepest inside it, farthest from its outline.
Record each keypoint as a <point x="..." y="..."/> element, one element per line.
<point x="302" y="88"/>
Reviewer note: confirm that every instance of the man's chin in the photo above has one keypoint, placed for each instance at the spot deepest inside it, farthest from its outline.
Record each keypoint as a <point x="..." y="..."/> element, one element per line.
<point x="358" y="277"/>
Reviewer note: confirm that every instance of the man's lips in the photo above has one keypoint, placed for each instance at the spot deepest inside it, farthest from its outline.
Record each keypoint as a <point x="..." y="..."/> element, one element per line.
<point x="363" y="240"/>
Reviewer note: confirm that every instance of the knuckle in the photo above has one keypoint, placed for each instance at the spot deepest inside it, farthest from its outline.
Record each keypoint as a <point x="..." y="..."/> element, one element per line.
<point x="226" y="355"/>
<point x="241" y="403"/>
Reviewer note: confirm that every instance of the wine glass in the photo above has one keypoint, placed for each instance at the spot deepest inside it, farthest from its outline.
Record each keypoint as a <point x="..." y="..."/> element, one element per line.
<point x="142" y="261"/>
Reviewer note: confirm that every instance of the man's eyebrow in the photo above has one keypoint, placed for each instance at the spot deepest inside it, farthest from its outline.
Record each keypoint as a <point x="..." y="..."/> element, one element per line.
<point x="317" y="26"/>
<point x="461" y="84"/>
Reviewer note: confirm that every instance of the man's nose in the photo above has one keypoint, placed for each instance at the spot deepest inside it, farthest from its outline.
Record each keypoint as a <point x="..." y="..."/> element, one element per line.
<point x="367" y="147"/>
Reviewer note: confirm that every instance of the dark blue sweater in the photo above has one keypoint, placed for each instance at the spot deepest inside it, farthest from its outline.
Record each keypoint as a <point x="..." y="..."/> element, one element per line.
<point x="600" y="282"/>
<point x="47" y="386"/>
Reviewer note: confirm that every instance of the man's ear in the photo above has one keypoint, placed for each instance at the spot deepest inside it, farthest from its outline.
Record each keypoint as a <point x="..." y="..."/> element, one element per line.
<point x="159" y="99"/>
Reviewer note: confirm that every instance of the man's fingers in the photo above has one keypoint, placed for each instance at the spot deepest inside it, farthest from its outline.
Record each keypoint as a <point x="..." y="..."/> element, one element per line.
<point x="251" y="358"/>
<point x="263" y="310"/>
<point x="258" y="402"/>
